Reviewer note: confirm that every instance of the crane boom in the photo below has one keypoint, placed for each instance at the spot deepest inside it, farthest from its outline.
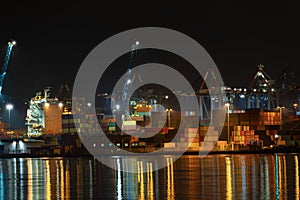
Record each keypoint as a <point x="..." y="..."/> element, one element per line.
<point x="128" y="80"/>
<point x="5" y="64"/>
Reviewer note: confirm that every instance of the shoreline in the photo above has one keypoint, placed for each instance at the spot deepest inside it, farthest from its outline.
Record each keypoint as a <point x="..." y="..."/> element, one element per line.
<point x="265" y="152"/>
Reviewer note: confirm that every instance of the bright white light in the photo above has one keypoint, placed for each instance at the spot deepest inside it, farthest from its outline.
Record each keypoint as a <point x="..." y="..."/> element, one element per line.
<point x="89" y="104"/>
<point x="12" y="43"/>
<point x="227" y="105"/>
<point x="166" y="96"/>
<point x="117" y="106"/>
<point x="60" y="104"/>
<point x="9" y="106"/>
<point x="242" y="96"/>
<point x="137" y="43"/>
<point x="47" y="104"/>
<point x="128" y="81"/>
<point x="295" y="105"/>
<point x="276" y="136"/>
<point x="21" y="144"/>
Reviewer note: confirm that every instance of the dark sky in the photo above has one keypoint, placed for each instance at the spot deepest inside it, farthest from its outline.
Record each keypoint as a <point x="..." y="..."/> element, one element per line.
<point x="54" y="38"/>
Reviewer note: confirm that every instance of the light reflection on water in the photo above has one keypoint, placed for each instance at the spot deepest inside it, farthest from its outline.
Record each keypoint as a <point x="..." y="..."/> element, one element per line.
<point x="212" y="177"/>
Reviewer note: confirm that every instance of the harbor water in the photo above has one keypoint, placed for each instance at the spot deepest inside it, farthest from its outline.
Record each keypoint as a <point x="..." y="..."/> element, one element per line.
<point x="250" y="176"/>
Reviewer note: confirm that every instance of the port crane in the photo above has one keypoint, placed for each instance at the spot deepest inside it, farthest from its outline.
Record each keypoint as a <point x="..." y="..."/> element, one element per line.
<point x="263" y="92"/>
<point x="121" y="101"/>
<point x="10" y="46"/>
<point x="128" y="79"/>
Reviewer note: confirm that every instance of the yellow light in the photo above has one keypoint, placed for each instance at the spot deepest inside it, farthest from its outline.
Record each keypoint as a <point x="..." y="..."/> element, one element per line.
<point x="48" y="182"/>
<point x="228" y="179"/>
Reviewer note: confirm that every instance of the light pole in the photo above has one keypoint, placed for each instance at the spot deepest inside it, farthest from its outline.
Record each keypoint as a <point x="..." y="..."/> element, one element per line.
<point x="295" y="106"/>
<point x="9" y="107"/>
<point x="281" y="117"/>
<point x="228" y="129"/>
<point x="169" y="116"/>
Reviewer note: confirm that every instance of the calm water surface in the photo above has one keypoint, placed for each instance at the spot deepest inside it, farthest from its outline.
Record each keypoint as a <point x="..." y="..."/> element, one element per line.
<point x="212" y="177"/>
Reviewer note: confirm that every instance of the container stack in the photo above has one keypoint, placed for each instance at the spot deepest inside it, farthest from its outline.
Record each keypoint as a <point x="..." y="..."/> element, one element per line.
<point x="254" y="116"/>
<point x="273" y="134"/>
<point x="202" y="132"/>
<point x="269" y="118"/>
<point x="210" y="139"/>
<point x="190" y="121"/>
<point x="286" y="140"/>
<point x="68" y="125"/>
<point x="245" y="119"/>
<point x="129" y="125"/>
<point x="189" y="138"/>
<point x="243" y="135"/>
<point x="234" y="119"/>
<point x="108" y="124"/>
<point x="112" y="125"/>
<point x="87" y="124"/>
<point x="296" y="138"/>
<point x="104" y="124"/>
<point x="158" y="120"/>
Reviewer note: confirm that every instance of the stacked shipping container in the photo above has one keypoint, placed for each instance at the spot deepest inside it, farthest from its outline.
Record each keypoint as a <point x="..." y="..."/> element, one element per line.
<point x="243" y="135"/>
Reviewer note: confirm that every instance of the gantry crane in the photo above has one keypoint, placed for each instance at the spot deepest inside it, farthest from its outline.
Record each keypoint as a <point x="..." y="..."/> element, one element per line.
<point x="128" y="79"/>
<point x="121" y="101"/>
<point x="209" y="97"/>
<point x="263" y="92"/>
<point x="10" y="46"/>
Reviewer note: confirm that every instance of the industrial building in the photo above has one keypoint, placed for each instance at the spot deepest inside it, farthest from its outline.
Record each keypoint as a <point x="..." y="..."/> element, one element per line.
<point x="44" y="115"/>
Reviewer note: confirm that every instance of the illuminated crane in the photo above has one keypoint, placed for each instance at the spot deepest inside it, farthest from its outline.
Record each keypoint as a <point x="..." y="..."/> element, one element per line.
<point x="263" y="93"/>
<point x="128" y="80"/>
<point x="209" y="98"/>
<point x="5" y="64"/>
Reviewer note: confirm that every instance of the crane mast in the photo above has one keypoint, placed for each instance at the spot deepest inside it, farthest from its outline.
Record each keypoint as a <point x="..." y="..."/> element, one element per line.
<point x="5" y="64"/>
<point x="128" y="80"/>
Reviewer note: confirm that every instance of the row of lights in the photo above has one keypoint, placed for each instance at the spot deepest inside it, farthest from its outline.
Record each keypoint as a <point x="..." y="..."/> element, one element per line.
<point x="140" y="105"/>
<point x="59" y="104"/>
<point x="228" y="89"/>
<point x="244" y="90"/>
<point x="263" y="90"/>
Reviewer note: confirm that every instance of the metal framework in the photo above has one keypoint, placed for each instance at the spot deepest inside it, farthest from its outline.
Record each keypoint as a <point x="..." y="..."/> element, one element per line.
<point x="263" y="91"/>
<point x="5" y="64"/>
<point x="208" y="102"/>
<point x="128" y="79"/>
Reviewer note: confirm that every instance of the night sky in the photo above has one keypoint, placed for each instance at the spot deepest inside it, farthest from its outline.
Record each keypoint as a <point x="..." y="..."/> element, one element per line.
<point x="54" y="38"/>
